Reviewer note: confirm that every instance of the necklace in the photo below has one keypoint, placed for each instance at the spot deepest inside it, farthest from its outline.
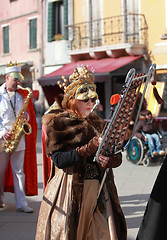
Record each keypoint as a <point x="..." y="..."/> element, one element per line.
<point x="13" y="106"/>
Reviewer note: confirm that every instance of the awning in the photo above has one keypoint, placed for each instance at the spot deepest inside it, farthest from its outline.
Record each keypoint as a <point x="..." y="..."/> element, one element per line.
<point x="100" y="67"/>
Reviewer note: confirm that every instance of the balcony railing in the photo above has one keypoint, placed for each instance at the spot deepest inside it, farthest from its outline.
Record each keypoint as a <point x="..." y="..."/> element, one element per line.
<point x="130" y="28"/>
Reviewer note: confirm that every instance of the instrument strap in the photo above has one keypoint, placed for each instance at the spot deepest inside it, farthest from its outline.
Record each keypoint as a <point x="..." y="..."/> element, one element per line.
<point x="13" y="106"/>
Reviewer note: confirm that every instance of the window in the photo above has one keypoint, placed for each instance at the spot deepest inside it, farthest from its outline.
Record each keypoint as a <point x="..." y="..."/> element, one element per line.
<point x="6" y="39"/>
<point x="55" y="20"/>
<point x="33" y="33"/>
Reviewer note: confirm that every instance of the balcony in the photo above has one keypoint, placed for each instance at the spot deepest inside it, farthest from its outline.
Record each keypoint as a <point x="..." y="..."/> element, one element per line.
<point x="118" y="35"/>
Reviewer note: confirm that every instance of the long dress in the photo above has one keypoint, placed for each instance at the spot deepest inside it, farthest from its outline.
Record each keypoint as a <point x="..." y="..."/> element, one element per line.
<point x="69" y="209"/>
<point x="153" y="226"/>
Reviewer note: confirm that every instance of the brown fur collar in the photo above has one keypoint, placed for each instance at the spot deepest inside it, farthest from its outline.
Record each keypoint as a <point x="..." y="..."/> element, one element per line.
<point x="65" y="132"/>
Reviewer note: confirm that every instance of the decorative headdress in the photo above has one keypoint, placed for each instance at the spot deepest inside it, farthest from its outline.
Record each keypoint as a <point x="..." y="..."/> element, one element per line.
<point x="15" y="70"/>
<point x="79" y="77"/>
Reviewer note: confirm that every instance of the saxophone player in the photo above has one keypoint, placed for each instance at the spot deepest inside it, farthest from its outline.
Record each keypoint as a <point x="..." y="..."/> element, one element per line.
<point x="22" y="162"/>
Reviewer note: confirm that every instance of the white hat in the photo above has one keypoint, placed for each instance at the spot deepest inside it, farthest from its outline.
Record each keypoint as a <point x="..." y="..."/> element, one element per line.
<point x="14" y="70"/>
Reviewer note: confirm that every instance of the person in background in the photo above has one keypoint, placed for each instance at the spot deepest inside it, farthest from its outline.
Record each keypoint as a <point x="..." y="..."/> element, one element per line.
<point x="70" y="208"/>
<point x="19" y="175"/>
<point x="100" y="110"/>
<point x="153" y="225"/>
<point x="146" y="129"/>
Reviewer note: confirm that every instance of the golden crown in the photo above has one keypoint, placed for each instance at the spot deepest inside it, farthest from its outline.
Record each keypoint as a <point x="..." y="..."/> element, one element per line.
<point x="79" y="74"/>
<point x="11" y="64"/>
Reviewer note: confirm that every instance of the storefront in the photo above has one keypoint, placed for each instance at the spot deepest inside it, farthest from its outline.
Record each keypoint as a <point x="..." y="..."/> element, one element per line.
<point x="110" y="74"/>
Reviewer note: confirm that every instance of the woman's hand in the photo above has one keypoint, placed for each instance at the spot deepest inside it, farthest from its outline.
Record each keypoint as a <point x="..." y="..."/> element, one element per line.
<point x="88" y="149"/>
<point x="103" y="160"/>
<point x="99" y="140"/>
<point x="113" y="161"/>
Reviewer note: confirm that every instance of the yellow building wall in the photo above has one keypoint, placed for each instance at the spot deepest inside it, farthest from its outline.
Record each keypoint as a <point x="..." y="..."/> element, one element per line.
<point x="110" y="8"/>
<point x="80" y="11"/>
<point x="152" y="103"/>
<point x="161" y="58"/>
<point x="154" y="11"/>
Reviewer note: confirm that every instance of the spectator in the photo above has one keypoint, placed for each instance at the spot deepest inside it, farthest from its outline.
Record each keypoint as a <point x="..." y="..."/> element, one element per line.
<point x="147" y="130"/>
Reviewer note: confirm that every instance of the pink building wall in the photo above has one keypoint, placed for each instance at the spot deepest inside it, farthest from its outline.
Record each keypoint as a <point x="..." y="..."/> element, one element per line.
<point x="17" y="14"/>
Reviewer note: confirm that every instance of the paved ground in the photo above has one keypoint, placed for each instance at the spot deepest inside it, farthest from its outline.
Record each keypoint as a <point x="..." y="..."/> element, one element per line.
<point x="134" y="184"/>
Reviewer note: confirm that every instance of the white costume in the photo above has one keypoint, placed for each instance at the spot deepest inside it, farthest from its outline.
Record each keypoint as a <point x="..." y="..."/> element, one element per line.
<point x="7" y="119"/>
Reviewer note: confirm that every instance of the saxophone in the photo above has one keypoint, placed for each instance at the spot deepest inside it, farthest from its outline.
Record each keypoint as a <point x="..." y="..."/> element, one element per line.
<point x="20" y="127"/>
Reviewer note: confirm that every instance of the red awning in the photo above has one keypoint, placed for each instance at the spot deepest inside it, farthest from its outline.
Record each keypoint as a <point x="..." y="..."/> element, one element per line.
<point x="100" y="67"/>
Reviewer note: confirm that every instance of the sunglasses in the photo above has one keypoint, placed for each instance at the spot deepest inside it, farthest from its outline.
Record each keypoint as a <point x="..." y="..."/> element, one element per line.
<point x="93" y="100"/>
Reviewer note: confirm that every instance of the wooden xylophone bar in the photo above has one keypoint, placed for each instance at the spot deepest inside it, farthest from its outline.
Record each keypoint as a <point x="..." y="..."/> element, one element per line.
<point x="114" y="135"/>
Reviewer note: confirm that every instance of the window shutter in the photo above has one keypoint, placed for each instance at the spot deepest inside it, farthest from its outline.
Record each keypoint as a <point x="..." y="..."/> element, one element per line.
<point x="65" y="17"/>
<point x="33" y="33"/>
<point x="6" y="39"/>
<point x="51" y="21"/>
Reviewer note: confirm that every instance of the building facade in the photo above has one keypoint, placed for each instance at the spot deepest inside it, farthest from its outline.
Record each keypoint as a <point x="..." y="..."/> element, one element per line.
<point x="111" y="37"/>
<point x="21" y="34"/>
<point x="93" y="33"/>
<point x="156" y="15"/>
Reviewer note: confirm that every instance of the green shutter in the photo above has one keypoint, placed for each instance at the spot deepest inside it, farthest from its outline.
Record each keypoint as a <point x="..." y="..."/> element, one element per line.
<point x="51" y="21"/>
<point x="6" y="39"/>
<point x="33" y="33"/>
<point x="65" y="17"/>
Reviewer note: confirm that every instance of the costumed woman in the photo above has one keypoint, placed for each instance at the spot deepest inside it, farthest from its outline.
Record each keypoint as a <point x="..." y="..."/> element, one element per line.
<point x="69" y="209"/>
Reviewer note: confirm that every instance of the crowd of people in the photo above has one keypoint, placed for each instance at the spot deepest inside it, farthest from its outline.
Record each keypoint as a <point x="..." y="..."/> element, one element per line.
<point x="71" y="207"/>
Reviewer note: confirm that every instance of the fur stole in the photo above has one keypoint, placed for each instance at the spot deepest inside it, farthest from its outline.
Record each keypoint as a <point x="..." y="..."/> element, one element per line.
<point x="66" y="132"/>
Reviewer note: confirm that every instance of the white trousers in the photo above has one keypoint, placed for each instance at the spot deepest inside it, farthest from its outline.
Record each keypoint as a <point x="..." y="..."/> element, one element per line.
<point x="17" y="165"/>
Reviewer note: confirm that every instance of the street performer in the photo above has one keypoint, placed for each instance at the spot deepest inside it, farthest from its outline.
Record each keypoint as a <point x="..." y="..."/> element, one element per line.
<point x="70" y="209"/>
<point x="19" y="175"/>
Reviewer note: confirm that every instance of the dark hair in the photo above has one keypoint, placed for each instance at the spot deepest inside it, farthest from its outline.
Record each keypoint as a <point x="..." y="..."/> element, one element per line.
<point x="145" y="112"/>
